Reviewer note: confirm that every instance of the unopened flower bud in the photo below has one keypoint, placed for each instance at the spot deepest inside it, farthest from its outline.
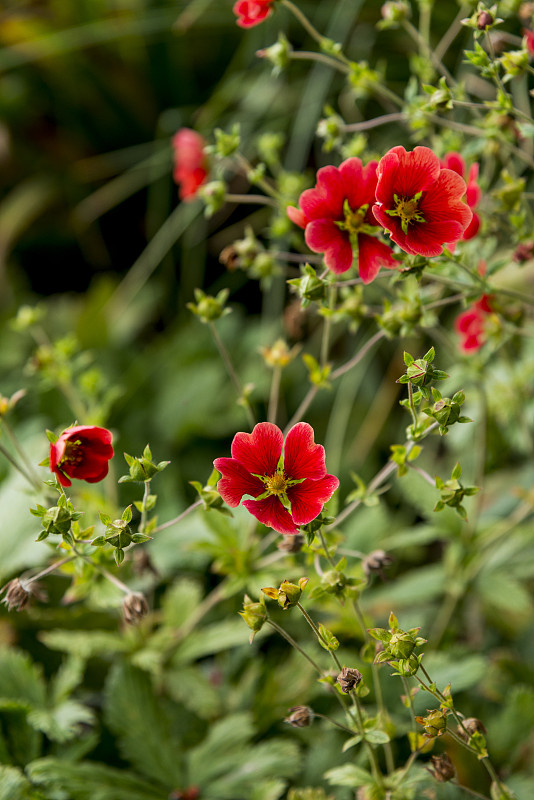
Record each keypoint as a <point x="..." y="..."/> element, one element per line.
<point x="524" y="252"/>
<point x="395" y="11"/>
<point x="348" y="679"/>
<point x="375" y="562"/>
<point x="279" y="355"/>
<point x="484" y="20"/>
<point x="291" y="544"/>
<point x="470" y="726"/>
<point x="435" y="723"/>
<point x="401" y="644"/>
<point x="300" y="717"/>
<point x="288" y="594"/>
<point x="134" y="607"/>
<point x="254" y="615"/>
<point x="442" y="768"/>
<point x="18" y="594"/>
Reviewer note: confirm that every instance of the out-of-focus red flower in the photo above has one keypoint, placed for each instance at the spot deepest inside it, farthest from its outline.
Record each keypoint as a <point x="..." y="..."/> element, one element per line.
<point x="252" y="12"/>
<point x="473" y="193"/>
<point x="289" y="492"/>
<point x="529" y="40"/>
<point x="471" y="325"/>
<point x="419" y="202"/>
<point x="191" y="165"/>
<point x="81" y="452"/>
<point x="338" y="220"/>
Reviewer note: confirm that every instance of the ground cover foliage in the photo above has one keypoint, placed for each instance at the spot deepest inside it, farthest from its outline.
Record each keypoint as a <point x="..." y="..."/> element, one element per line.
<point x="388" y="652"/>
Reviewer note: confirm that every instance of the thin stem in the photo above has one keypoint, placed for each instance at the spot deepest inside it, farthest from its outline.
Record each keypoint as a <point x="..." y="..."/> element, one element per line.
<point x="450" y="35"/>
<point x="330" y="560"/>
<point x="293" y="643"/>
<point x="320" y="638"/>
<point x="333" y="721"/>
<point x="232" y="373"/>
<point x="262" y="183"/>
<point x="325" y="340"/>
<point x="274" y="394"/>
<point x="307" y="55"/>
<point x="257" y="199"/>
<point x="304" y="21"/>
<point x="142" y="522"/>
<point x="410" y="700"/>
<point x="424" y="474"/>
<point x="337" y="373"/>
<point x="48" y="570"/>
<point x="14" y="463"/>
<point x="368" y="124"/>
<point x="111" y="578"/>
<point x="371" y="753"/>
<point x="301" y="410"/>
<point x="22" y="453"/>
<point x="179" y="518"/>
<point x="428" y="51"/>
<point x="469" y="791"/>
<point x="412" y="407"/>
<point x="498" y="80"/>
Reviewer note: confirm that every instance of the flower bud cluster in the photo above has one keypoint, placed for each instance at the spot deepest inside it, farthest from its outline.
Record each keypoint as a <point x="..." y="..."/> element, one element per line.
<point x="310" y="288"/>
<point x="435" y="723"/>
<point x="142" y="469"/>
<point x="288" y="594"/>
<point x="119" y="534"/>
<point x="446" y="411"/>
<point x="398" y="644"/>
<point x="57" y="519"/>
<point x="421" y="373"/>
<point x="452" y="492"/>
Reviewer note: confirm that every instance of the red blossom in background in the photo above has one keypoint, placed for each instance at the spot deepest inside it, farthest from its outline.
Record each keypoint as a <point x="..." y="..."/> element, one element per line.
<point x="419" y="202"/>
<point x="81" y="452"/>
<point x="529" y="40"/>
<point x="252" y="12"/>
<point x="338" y="220"/>
<point x="299" y="483"/>
<point x="455" y="162"/>
<point x="471" y="325"/>
<point x="191" y="166"/>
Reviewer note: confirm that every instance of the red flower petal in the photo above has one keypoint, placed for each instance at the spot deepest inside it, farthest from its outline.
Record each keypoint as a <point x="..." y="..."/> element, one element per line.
<point x="259" y="451"/>
<point x="474" y="192"/>
<point x="308" y="498"/>
<point x="472" y="229"/>
<point x="443" y="201"/>
<point x="323" y="236"/>
<point x="93" y="450"/>
<point x="236" y="481"/>
<point x="296" y="216"/>
<point x="302" y="457"/>
<point x="252" y="12"/>
<point x="373" y="254"/>
<point x="406" y="173"/>
<point x="427" y="239"/>
<point x="272" y="513"/>
<point x="327" y="198"/>
<point x="455" y="162"/>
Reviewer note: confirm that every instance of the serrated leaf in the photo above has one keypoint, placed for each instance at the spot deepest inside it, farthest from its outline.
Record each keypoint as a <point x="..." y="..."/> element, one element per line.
<point x="327" y="640"/>
<point x="85" y="644"/>
<point x="252" y="764"/>
<point x="15" y="786"/>
<point x="62" y="722"/>
<point x="90" y="780"/>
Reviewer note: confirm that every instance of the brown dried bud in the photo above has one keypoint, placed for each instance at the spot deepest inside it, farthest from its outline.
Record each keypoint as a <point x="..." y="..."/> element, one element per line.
<point x="484" y="20"/>
<point x="443" y="768"/>
<point x="142" y="563"/>
<point x="348" y="679"/>
<point x="469" y="726"/>
<point x="300" y="717"/>
<point x="524" y="252"/>
<point x="229" y="257"/>
<point x="291" y="544"/>
<point x="526" y="12"/>
<point x="18" y="594"/>
<point x="375" y="562"/>
<point x="134" y="607"/>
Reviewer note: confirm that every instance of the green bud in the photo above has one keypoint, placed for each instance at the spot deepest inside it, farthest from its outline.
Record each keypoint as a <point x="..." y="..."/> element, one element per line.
<point x="207" y="308"/>
<point x="214" y="196"/>
<point x="288" y="594"/>
<point x="278" y="54"/>
<point x="435" y="723"/>
<point x="401" y="645"/>
<point x="227" y="143"/>
<point x="254" y="614"/>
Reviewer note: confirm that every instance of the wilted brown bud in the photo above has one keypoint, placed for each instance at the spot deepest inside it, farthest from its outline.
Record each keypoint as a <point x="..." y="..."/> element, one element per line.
<point x="134" y="607"/>
<point x="484" y="20"/>
<point x="291" y="544"/>
<point x="524" y="252"/>
<point x="229" y="257"/>
<point x="348" y="679"/>
<point x="375" y="562"/>
<point x="443" y="768"/>
<point x="526" y="12"/>
<point x="469" y="726"/>
<point x="300" y="717"/>
<point x="18" y="594"/>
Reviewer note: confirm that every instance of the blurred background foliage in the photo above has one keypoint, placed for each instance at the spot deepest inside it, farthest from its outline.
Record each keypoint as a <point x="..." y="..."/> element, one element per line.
<point x="93" y="236"/>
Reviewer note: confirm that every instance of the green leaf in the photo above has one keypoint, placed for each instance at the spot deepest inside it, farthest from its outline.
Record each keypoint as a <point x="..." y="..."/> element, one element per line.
<point x="85" y="644"/>
<point x="252" y="764"/>
<point x="376" y="737"/>
<point x="15" y="786"/>
<point x="127" y="514"/>
<point x="180" y="601"/>
<point x="89" y="781"/>
<point x="143" y="725"/>
<point x="457" y="472"/>
<point x="105" y="519"/>
<point x="354" y="740"/>
<point x="349" y="775"/>
<point x="119" y="555"/>
<point x="214" y="755"/>
<point x="327" y="639"/>
<point x="408" y="359"/>
<point x="211" y="639"/>
<point x="429" y="355"/>
<point x="62" y="723"/>
<point x="51" y="436"/>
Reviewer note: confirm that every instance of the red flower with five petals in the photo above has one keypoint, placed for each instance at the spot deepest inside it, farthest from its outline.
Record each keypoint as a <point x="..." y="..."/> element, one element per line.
<point x="289" y="492"/>
<point x="81" y="452"/>
<point x="191" y="165"/>
<point x="252" y="12"/>
<point x="473" y="193"/>
<point x="471" y="325"/>
<point x="337" y="218"/>
<point x="419" y="202"/>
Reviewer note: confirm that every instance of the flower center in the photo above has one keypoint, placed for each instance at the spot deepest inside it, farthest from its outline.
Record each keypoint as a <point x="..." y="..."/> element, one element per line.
<point x="354" y="222"/>
<point x="276" y="484"/>
<point x="407" y="209"/>
<point x="73" y="453"/>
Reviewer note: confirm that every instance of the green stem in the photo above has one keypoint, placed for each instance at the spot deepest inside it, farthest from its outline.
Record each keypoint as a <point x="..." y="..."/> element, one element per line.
<point x="330" y="560"/>
<point x="142" y="522"/>
<point x="320" y="639"/>
<point x="371" y="753"/>
<point x="337" y="373"/>
<point x="14" y="463"/>
<point x="257" y="199"/>
<point x="412" y="408"/>
<point x="327" y="326"/>
<point x="428" y="51"/>
<point x="48" y="570"/>
<point x="333" y="721"/>
<point x="306" y="55"/>
<point x="262" y="183"/>
<point x="301" y="410"/>
<point x="274" y="394"/>
<point x="232" y="373"/>
<point x="454" y="29"/>
<point x="410" y="700"/>
<point x="469" y="791"/>
<point x="385" y="119"/>
<point x="293" y="643"/>
<point x="22" y="453"/>
<point x="179" y="518"/>
<point x="304" y="21"/>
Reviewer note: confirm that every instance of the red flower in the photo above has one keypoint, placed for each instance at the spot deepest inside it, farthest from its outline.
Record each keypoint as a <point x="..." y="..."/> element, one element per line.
<point x="419" y="202"/>
<point x="338" y="219"/>
<point x="252" y="12"/>
<point x="529" y="40"/>
<point x="190" y="163"/>
<point x="288" y="492"/>
<point x="81" y="452"/>
<point x="471" y="325"/>
<point x="455" y="162"/>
